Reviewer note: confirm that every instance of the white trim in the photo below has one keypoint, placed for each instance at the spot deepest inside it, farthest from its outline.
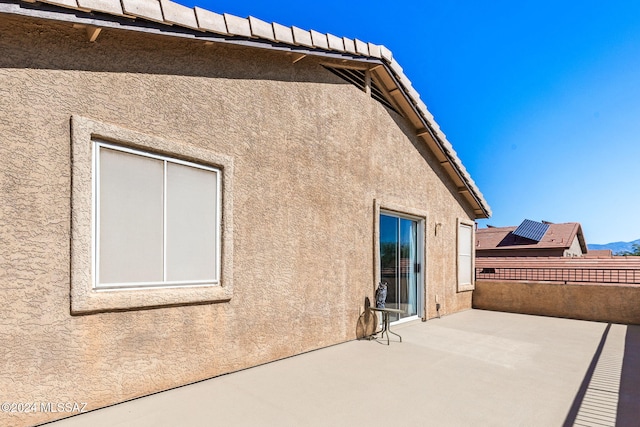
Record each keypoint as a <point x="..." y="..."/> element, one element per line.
<point x="97" y="146"/>
<point x="219" y="225"/>
<point x="462" y="287"/>
<point x="147" y="285"/>
<point x="164" y="221"/>
<point x="95" y="215"/>
<point x="406" y="319"/>
<point x="117" y="147"/>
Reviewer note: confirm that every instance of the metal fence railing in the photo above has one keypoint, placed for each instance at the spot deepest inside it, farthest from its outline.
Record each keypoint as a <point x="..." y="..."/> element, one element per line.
<point x="580" y="275"/>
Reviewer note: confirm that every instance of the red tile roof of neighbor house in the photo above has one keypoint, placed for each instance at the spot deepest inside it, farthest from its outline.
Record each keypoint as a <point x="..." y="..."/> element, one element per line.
<point x="616" y="262"/>
<point x="558" y="236"/>
<point x="599" y="253"/>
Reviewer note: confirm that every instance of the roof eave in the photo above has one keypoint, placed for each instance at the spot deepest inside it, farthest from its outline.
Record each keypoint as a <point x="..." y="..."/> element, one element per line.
<point x="432" y="130"/>
<point x="179" y="21"/>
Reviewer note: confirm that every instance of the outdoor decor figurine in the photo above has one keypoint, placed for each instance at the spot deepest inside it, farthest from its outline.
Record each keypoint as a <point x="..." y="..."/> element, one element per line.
<point x="381" y="294"/>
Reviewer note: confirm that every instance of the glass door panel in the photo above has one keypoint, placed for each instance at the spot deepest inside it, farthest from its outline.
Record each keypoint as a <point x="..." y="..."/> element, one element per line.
<point x="400" y="263"/>
<point x="408" y="266"/>
<point x="389" y="258"/>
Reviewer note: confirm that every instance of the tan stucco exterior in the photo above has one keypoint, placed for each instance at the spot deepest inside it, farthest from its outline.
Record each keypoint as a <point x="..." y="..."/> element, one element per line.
<point x="312" y="157"/>
<point x="613" y="303"/>
<point x="575" y="249"/>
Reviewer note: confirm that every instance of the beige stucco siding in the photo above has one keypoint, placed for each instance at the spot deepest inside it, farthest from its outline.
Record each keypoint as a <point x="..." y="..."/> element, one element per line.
<point x="311" y="154"/>
<point x="574" y="249"/>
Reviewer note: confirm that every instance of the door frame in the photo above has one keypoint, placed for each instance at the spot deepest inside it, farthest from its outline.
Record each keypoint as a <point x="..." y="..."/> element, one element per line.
<point x="420" y="216"/>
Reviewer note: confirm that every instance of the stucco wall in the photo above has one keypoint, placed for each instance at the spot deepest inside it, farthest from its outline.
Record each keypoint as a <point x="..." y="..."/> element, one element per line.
<point x="597" y="302"/>
<point x="574" y="249"/>
<point x="311" y="154"/>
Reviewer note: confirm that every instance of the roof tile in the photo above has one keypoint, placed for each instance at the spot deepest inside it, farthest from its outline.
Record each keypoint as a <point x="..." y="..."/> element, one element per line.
<point x="178" y="14"/>
<point x="301" y="37"/>
<point x="107" y="6"/>
<point x="425" y="111"/>
<point x="282" y="34"/>
<point x="374" y="50"/>
<point x="361" y="47"/>
<point x="319" y="40"/>
<point x="64" y="3"/>
<point x="260" y="28"/>
<point x="386" y="54"/>
<point x="335" y="43"/>
<point x="149" y="9"/>
<point x="237" y="26"/>
<point x="210" y="21"/>
<point x="396" y="68"/>
<point x="413" y="93"/>
<point x="349" y="45"/>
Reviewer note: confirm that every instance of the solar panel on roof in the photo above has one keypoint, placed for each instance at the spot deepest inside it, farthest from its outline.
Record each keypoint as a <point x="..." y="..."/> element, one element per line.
<point x="531" y="230"/>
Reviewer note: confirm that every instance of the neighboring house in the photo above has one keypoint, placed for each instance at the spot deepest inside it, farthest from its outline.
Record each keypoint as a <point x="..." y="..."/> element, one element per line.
<point x="185" y="194"/>
<point x="542" y="251"/>
<point x="532" y="239"/>
<point x="599" y="253"/>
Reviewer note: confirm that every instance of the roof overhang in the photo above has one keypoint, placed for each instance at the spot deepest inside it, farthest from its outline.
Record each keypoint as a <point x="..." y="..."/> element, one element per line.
<point x="172" y="19"/>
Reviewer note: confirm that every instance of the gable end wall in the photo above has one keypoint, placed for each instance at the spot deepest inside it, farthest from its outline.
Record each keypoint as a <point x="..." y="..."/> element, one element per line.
<point x="311" y="155"/>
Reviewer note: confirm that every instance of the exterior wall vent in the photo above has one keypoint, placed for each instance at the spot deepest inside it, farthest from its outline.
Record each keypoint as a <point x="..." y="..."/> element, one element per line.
<point x="358" y="78"/>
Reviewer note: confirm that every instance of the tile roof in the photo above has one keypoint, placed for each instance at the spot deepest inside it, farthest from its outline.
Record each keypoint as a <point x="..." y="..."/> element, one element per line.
<point x="228" y="28"/>
<point x="558" y="236"/>
<point x="613" y="262"/>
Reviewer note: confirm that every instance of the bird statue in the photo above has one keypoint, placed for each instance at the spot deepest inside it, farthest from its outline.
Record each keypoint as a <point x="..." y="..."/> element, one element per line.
<point x="381" y="294"/>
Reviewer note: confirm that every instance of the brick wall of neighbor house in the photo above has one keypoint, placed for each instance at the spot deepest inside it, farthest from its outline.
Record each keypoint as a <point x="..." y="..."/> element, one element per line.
<point x="310" y="153"/>
<point x="596" y="302"/>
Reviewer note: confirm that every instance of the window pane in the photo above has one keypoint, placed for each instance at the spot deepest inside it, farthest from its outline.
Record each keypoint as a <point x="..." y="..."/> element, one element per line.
<point x="464" y="244"/>
<point x="191" y="223"/>
<point x="465" y="270"/>
<point x="465" y="233"/>
<point x="131" y="218"/>
<point x="408" y="278"/>
<point x="389" y="257"/>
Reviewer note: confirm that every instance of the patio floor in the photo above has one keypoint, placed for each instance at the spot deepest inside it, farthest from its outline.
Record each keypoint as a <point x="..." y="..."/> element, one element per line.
<point x="474" y="368"/>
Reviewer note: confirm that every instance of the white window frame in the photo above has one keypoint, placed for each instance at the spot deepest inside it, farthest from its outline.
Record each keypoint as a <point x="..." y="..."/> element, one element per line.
<point x="97" y="145"/>
<point x="86" y="297"/>
<point x="462" y="287"/>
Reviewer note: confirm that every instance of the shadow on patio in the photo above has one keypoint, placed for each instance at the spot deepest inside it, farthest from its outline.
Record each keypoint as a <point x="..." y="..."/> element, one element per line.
<point x="475" y="368"/>
<point x="609" y="394"/>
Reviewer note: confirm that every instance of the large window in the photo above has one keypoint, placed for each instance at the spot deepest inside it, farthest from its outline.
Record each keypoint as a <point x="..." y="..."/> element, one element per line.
<point x="465" y="257"/>
<point x="151" y="220"/>
<point x="157" y="220"/>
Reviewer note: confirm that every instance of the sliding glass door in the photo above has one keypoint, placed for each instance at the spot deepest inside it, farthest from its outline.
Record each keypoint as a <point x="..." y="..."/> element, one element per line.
<point x="400" y="263"/>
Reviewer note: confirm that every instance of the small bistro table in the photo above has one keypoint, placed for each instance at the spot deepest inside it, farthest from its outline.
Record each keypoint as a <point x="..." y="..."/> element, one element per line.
<point x="385" y="321"/>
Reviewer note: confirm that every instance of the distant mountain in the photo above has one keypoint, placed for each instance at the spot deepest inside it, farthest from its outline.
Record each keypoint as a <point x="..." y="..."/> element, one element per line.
<point x="615" y="246"/>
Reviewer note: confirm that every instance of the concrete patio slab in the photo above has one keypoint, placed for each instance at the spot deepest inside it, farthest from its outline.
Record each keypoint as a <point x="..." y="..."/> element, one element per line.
<point x="475" y="368"/>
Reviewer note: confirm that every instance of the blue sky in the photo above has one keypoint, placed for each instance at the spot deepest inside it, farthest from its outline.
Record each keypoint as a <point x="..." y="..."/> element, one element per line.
<point x="541" y="99"/>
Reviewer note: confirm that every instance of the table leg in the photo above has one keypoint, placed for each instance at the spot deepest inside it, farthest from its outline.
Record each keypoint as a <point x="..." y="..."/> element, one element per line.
<point x="388" y="329"/>
<point x="386" y="326"/>
<point x="390" y="332"/>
